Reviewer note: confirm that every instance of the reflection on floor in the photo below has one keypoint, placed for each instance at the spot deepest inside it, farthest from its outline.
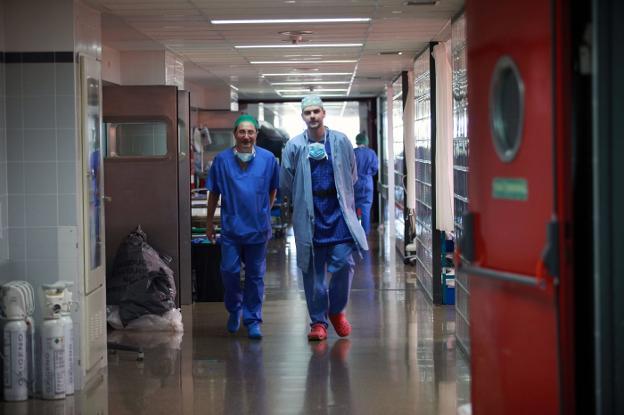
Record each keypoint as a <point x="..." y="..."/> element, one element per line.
<point x="400" y="359"/>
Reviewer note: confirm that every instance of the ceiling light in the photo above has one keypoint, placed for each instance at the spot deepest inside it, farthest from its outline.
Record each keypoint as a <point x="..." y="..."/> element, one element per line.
<point x="311" y="83"/>
<point x="315" y="90"/>
<point x="309" y="74"/>
<point x="300" y="45"/>
<point x="420" y="3"/>
<point x="277" y="21"/>
<point x="298" y="95"/>
<point x="300" y="62"/>
<point x="390" y="53"/>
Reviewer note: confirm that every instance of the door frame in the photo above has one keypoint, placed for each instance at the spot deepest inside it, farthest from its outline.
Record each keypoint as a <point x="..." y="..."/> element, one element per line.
<point x="608" y="145"/>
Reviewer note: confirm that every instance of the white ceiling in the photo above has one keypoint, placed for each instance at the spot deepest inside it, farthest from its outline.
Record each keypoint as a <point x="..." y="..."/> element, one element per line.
<point x="184" y="27"/>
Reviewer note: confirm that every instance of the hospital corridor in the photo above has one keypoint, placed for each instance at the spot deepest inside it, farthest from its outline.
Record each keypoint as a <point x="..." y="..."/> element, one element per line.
<point x="292" y="207"/>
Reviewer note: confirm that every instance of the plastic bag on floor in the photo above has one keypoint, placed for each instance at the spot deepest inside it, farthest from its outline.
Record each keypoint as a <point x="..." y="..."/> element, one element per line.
<point x="141" y="281"/>
<point x="171" y="321"/>
<point x="147" y="339"/>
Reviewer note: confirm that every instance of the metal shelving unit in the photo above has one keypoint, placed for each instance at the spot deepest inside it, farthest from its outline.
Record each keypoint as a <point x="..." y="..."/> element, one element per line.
<point x="460" y="171"/>
<point x="423" y="171"/>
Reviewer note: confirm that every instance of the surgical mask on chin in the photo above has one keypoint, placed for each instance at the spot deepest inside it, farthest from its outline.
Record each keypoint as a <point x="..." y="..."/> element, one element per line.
<point x="316" y="151"/>
<point x="245" y="157"/>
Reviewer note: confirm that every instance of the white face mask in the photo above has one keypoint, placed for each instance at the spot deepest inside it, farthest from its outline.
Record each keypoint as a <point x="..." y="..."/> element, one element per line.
<point x="245" y="157"/>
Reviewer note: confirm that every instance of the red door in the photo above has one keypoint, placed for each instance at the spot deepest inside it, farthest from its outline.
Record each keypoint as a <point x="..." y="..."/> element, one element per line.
<point x="514" y="206"/>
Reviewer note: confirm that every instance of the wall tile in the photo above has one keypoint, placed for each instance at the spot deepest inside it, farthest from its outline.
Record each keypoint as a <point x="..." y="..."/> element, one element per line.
<point x="3" y="143"/>
<point x="3" y="180"/>
<point x="2" y="77"/>
<point x="40" y="177"/>
<point x="42" y="272"/>
<point x="41" y="244"/>
<point x="2" y="108"/>
<point x="4" y="199"/>
<point x="17" y="211"/>
<point x="67" y="177"/>
<point x="15" y="145"/>
<point x="40" y="145"/>
<point x="40" y="111"/>
<point x="38" y="79"/>
<point x="68" y="242"/>
<point x="65" y="81"/>
<point x="67" y="210"/>
<point x="17" y="244"/>
<point x="15" y="176"/>
<point x="17" y="271"/>
<point x="66" y="145"/>
<point x="41" y="210"/>
<point x="68" y="270"/>
<point x="65" y="111"/>
<point x="4" y="247"/>
<point x="14" y="112"/>
<point x="14" y="79"/>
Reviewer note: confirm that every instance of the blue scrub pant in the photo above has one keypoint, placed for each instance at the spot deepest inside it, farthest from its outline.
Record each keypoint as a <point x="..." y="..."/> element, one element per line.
<point x="338" y="260"/>
<point x="366" y="208"/>
<point x="235" y="298"/>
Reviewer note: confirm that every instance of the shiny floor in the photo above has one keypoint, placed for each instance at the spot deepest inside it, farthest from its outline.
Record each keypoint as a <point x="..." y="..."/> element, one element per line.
<point x="400" y="359"/>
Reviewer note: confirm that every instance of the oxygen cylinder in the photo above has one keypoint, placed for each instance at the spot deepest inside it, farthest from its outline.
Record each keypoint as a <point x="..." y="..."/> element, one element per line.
<point x="68" y="334"/>
<point x="15" y="360"/>
<point x="53" y="367"/>
<point x="30" y="351"/>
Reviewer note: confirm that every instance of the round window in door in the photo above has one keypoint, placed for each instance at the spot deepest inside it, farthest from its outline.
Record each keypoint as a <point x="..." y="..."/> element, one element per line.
<point x="506" y="108"/>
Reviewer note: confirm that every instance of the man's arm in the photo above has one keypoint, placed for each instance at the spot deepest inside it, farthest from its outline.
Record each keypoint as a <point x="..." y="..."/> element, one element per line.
<point x="374" y="164"/>
<point x="272" y="195"/>
<point x="287" y="171"/>
<point x="352" y="162"/>
<point x="213" y="200"/>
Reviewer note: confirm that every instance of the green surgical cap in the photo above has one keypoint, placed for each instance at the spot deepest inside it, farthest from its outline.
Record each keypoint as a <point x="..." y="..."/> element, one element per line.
<point x="311" y="101"/>
<point x="245" y="118"/>
<point x="361" y="138"/>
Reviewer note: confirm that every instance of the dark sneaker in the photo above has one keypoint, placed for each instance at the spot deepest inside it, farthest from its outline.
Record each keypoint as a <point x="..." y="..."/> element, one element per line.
<point x="253" y="331"/>
<point x="233" y="323"/>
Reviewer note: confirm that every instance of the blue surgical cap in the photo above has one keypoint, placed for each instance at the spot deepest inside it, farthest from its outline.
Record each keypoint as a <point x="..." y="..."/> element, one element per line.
<point x="311" y="101"/>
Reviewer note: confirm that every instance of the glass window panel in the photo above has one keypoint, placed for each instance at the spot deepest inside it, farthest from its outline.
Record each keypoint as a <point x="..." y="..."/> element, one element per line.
<point x="137" y="139"/>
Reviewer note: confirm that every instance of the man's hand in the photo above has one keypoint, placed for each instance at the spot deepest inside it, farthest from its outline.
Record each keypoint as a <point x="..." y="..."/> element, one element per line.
<point x="210" y="232"/>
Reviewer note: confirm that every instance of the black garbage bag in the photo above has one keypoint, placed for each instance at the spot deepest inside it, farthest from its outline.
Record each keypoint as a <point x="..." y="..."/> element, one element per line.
<point x="141" y="281"/>
<point x="271" y="138"/>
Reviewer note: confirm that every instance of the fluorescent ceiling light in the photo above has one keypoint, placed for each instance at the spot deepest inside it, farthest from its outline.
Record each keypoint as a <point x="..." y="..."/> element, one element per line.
<point x="309" y="74"/>
<point x="301" y="45"/>
<point x="301" y="62"/>
<point x="311" y="83"/>
<point x="273" y="21"/>
<point x="315" y="91"/>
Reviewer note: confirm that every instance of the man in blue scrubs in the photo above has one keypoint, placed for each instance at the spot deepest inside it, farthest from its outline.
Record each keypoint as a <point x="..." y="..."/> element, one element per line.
<point x="367" y="165"/>
<point x="246" y="178"/>
<point x="317" y="175"/>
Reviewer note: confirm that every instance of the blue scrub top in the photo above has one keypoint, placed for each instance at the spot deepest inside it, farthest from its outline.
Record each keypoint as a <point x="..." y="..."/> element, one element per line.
<point x="245" y="210"/>
<point x="367" y="165"/>
<point x="330" y="227"/>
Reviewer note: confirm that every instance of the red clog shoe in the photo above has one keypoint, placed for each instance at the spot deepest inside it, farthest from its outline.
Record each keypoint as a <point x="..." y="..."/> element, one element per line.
<point x="317" y="332"/>
<point x="341" y="324"/>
